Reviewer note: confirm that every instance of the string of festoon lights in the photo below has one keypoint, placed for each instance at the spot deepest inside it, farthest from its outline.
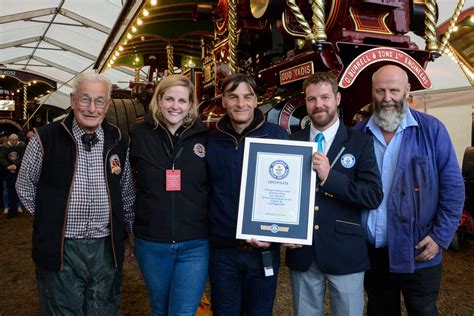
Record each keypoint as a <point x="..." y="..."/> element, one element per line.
<point x="132" y="29"/>
<point x="454" y="56"/>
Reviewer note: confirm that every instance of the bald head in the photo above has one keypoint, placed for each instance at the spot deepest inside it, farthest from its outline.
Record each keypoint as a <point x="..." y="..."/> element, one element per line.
<point x="390" y="72"/>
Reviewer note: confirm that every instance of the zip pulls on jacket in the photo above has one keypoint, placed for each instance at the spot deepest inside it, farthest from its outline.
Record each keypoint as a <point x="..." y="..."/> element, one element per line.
<point x="173" y="196"/>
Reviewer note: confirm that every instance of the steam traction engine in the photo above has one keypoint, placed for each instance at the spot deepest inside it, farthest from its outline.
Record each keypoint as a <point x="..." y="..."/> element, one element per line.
<point x="279" y="42"/>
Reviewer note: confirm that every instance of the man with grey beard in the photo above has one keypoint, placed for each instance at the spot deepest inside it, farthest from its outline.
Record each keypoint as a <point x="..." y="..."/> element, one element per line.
<point x="423" y="198"/>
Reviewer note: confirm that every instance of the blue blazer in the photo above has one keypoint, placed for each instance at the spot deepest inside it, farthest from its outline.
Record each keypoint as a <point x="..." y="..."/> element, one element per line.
<point x="353" y="185"/>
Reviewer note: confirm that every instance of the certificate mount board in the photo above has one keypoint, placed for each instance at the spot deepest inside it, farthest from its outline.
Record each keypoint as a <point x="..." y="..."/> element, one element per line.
<point x="277" y="191"/>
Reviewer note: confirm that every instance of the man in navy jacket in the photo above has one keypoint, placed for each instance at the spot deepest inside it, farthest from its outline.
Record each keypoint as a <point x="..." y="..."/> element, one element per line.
<point x="423" y="199"/>
<point x="239" y="285"/>
<point x="339" y="251"/>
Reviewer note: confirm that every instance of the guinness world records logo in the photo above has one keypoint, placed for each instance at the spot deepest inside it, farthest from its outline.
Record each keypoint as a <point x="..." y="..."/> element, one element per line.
<point x="279" y="170"/>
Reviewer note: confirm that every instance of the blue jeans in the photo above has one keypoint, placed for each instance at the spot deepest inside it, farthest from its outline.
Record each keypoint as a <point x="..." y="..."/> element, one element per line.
<point x="238" y="283"/>
<point x="175" y="274"/>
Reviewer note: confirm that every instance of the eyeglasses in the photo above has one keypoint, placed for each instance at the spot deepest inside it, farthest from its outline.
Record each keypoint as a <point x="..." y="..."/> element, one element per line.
<point x="86" y="101"/>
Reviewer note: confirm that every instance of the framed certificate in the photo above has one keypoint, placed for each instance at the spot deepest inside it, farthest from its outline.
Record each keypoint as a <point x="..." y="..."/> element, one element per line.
<point x="277" y="191"/>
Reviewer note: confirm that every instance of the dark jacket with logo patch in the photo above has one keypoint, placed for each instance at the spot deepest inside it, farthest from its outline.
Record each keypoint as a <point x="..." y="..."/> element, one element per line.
<point x="339" y="244"/>
<point x="54" y="190"/>
<point x="168" y="216"/>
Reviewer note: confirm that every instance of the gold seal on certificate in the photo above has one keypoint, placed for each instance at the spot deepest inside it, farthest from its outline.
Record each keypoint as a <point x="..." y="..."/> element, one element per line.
<point x="277" y="191"/>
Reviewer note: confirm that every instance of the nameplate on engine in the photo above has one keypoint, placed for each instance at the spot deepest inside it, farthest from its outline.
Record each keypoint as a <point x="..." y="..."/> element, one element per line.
<point x="296" y="73"/>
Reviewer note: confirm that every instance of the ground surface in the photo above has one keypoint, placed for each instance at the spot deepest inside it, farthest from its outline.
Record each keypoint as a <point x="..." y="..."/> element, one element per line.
<point x="18" y="286"/>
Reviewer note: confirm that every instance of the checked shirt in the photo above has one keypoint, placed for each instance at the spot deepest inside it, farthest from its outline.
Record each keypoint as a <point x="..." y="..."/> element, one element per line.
<point x="88" y="213"/>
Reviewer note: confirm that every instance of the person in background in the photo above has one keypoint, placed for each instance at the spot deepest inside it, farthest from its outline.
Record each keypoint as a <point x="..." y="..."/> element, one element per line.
<point x="338" y="256"/>
<point x="168" y="154"/>
<point x="11" y="155"/>
<point x="3" y="186"/>
<point x="423" y="199"/>
<point x="75" y="180"/>
<point x="29" y="135"/>
<point x="3" y="190"/>
<point x="238" y="282"/>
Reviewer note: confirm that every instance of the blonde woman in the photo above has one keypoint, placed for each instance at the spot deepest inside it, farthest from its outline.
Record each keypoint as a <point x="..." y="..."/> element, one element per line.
<point x="168" y="153"/>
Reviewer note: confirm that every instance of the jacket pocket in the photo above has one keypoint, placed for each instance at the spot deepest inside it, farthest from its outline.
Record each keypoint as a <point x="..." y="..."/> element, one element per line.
<point x="422" y="186"/>
<point x="345" y="227"/>
<point x="421" y="170"/>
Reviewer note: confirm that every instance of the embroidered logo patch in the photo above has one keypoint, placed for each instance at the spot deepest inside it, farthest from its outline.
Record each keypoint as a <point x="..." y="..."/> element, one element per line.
<point x="348" y="161"/>
<point x="115" y="167"/>
<point x="200" y="150"/>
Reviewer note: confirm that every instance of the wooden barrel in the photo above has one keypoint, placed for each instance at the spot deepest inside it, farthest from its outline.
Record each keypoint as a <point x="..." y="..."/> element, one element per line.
<point x="125" y="113"/>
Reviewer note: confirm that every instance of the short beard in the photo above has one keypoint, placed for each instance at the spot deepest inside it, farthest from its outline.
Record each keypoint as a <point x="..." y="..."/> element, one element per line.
<point x="390" y="120"/>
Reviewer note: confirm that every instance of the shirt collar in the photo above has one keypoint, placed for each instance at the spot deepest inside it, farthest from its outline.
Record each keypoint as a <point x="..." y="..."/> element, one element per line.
<point x="78" y="132"/>
<point x="328" y="134"/>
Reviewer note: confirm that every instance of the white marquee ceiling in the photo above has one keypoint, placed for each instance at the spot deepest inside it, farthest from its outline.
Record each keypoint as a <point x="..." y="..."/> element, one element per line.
<point x="58" y="39"/>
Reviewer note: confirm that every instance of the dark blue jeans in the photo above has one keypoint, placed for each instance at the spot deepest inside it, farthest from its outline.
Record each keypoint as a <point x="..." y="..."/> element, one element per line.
<point x="13" y="201"/>
<point x="175" y="274"/>
<point x="238" y="283"/>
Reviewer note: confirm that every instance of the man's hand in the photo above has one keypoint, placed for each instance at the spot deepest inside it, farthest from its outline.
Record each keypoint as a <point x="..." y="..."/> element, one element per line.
<point x="11" y="167"/>
<point x="259" y="244"/>
<point x="321" y="165"/>
<point x="431" y="249"/>
<point x="130" y="248"/>
<point x="292" y="246"/>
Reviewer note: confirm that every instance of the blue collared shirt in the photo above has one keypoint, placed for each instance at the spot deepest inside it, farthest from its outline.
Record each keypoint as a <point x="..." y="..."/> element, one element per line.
<point x="387" y="157"/>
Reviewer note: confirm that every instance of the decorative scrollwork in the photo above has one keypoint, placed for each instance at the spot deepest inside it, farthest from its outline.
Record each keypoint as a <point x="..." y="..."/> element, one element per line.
<point x="319" y="20"/>
<point x="233" y="37"/>
<point x="169" y="55"/>
<point x="25" y="100"/>
<point x="430" y="26"/>
<point x="301" y="20"/>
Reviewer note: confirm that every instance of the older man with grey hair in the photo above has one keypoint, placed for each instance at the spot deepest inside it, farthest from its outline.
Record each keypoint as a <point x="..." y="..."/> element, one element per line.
<point x="76" y="182"/>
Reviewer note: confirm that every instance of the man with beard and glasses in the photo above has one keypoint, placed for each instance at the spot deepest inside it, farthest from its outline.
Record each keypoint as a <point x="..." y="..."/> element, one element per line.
<point x="348" y="183"/>
<point x="423" y="198"/>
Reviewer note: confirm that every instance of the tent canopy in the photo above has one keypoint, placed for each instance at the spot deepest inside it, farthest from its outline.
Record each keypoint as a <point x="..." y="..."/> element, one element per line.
<point x="58" y="39"/>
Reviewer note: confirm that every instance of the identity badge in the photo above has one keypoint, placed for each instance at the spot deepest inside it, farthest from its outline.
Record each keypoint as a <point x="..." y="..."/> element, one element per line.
<point x="267" y="260"/>
<point x="173" y="180"/>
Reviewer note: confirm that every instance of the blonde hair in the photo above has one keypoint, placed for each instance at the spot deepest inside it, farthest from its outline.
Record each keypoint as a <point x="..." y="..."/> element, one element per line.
<point x="163" y="86"/>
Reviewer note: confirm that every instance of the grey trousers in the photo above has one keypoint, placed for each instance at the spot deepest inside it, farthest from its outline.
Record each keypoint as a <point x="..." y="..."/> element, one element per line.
<point x="88" y="285"/>
<point x="346" y="292"/>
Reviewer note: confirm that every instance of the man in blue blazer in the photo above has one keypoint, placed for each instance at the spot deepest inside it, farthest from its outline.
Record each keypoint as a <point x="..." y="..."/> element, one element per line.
<point x="348" y="183"/>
